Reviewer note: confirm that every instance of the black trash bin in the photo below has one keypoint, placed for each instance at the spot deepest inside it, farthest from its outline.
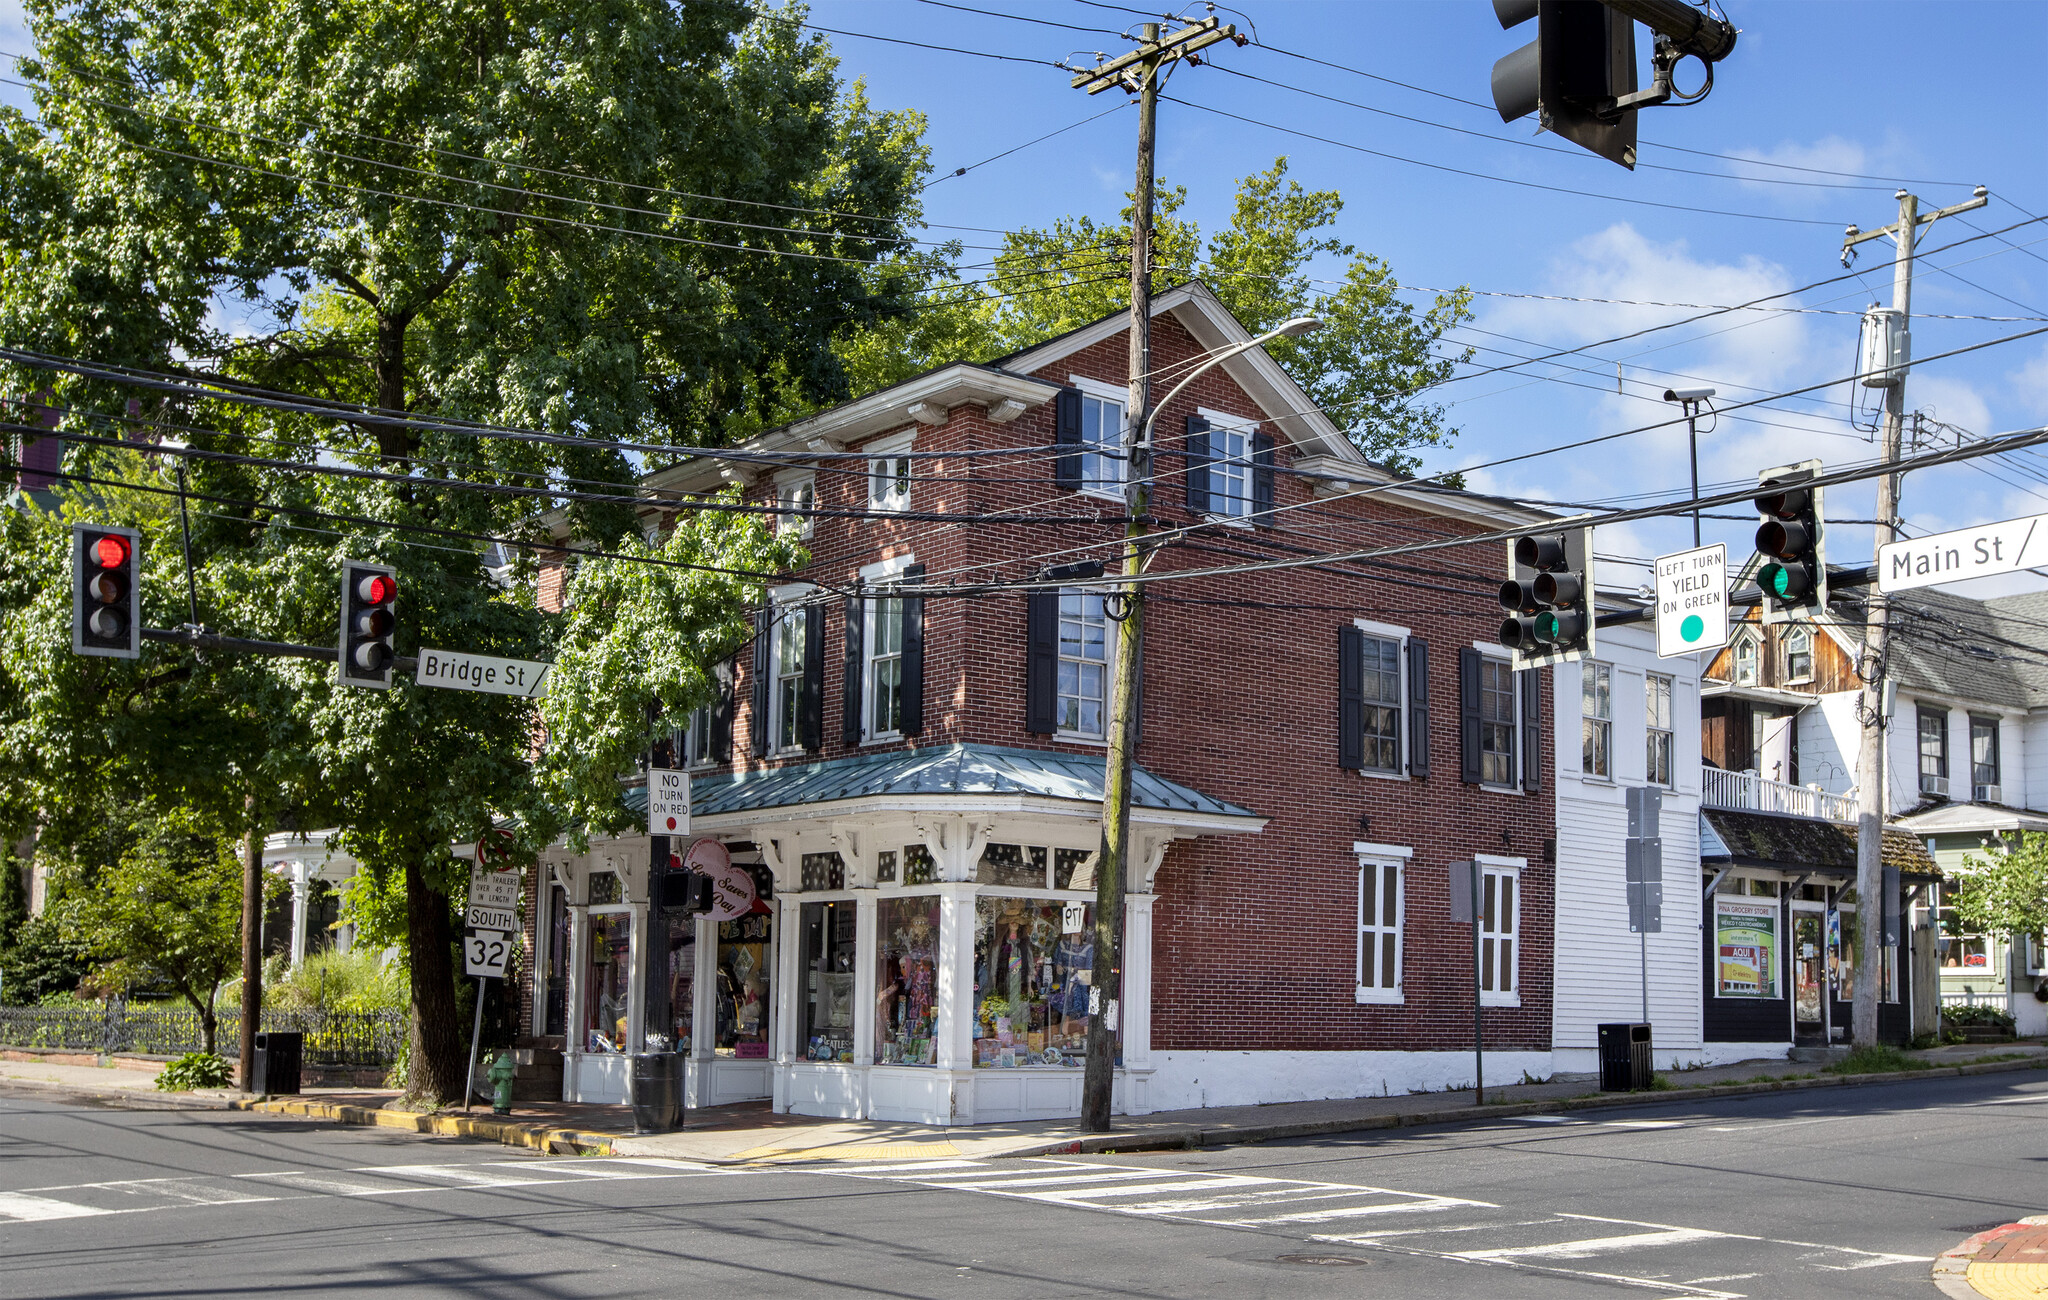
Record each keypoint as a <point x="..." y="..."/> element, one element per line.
<point x="278" y="1057"/>
<point x="655" y="1089"/>
<point x="1626" y="1061"/>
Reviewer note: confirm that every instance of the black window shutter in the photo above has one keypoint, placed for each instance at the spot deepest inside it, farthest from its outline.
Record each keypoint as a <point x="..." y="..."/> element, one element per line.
<point x="1532" y="729"/>
<point x="1042" y="662"/>
<point x="811" y="700"/>
<point x="721" y="714"/>
<point x="1262" y="479"/>
<point x="764" y="641"/>
<point x="849" y="723"/>
<point x="1469" y="768"/>
<point x="1066" y="466"/>
<point x="913" y="657"/>
<point x="1198" y="465"/>
<point x="1350" y="698"/>
<point x="1418" y="708"/>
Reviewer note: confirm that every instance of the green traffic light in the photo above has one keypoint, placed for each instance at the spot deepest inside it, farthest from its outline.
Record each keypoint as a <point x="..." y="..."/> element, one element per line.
<point x="1781" y="582"/>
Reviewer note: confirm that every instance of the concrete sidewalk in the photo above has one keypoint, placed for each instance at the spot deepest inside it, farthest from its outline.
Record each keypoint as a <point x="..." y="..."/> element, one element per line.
<point x="751" y="1134"/>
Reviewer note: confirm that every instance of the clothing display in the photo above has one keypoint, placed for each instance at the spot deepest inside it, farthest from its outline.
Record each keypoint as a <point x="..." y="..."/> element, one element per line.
<point x="1034" y="960"/>
<point x="906" y="981"/>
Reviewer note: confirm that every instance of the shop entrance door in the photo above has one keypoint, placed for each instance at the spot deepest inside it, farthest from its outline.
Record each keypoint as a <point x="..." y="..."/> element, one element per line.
<point x="1809" y="977"/>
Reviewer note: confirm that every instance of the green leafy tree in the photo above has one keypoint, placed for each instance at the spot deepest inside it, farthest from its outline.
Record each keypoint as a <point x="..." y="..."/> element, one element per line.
<point x="624" y="220"/>
<point x="2006" y="893"/>
<point x="167" y="913"/>
<point x="1369" y="367"/>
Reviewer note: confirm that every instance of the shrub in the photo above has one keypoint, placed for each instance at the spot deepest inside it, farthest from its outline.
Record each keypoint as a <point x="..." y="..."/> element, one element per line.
<point x="1882" y="1059"/>
<point x="195" y="1070"/>
<point x="360" y="980"/>
<point x="1978" y="1015"/>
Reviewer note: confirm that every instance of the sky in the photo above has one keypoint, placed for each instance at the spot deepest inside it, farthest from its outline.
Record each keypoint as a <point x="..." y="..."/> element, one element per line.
<point x="1935" y="97"/>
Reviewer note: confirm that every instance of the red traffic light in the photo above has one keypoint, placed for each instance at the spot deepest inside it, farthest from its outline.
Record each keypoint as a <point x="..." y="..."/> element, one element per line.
<point x="377" y="589"/>
<point x="111" y="551"/>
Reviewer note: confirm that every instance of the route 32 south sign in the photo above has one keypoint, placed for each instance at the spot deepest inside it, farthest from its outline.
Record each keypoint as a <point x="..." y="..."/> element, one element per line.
<point x="485" y="952"/>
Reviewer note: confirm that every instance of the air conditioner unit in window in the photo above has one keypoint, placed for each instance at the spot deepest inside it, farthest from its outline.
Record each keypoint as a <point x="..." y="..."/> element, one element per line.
<point x="1934" y="785"/>
<point x="1988" y="794"/>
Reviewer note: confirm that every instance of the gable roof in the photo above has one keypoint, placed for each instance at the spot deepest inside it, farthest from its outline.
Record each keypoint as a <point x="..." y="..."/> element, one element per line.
<point x="1948" y="645"/>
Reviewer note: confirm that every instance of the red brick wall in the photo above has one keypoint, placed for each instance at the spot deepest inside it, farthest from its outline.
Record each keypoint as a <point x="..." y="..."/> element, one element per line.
<point x="1255" y="935"/>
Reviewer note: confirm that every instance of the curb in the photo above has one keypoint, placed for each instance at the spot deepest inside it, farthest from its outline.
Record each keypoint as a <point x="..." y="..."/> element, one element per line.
<point x="1952" y="1267"/>
<point x="1193" y="1138"/>
<point x="512" y="1133"/>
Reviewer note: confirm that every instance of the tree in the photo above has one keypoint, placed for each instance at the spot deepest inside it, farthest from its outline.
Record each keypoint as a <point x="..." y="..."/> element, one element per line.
<point x="625" y="220"/>
<point x="167" y="912"/>
<point x="1367" y="368"/>
<point x="2006" y="893"/>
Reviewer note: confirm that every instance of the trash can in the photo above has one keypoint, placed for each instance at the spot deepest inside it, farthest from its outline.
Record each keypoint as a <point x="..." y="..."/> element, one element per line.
<point x="655" y="1088"/>
<point x="1626" y="1061"/>
<point x="277" y="1063"/>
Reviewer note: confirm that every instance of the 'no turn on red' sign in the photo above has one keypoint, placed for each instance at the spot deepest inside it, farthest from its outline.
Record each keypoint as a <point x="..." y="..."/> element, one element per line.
<point x="668" y="801"/>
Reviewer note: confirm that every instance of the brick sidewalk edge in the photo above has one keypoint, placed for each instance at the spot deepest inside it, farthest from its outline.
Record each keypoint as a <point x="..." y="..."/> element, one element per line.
<point x="1952" y="1266"/>
<point x="488" y="1128"/>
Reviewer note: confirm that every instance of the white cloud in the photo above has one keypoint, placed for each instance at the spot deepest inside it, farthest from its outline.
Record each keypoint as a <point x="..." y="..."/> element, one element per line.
<point x="2030" y="385"/>
<point x="1828" y="154"/>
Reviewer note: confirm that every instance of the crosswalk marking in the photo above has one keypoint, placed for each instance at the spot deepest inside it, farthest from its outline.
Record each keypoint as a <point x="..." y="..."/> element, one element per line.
<point x="1591" y="1246"/>
<point x="23" y="1208"/>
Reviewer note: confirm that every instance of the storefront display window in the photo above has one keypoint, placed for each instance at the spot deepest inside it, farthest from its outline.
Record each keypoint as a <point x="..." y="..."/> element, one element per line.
<point x="607" y="981"/>
<point x="606" y="888"/>
<point x="1073" y="868"/>
<point x="743" y="987"/>
<point x="555" y="1018"/>
<point x="828" y="939"/>
<point x="915" y="862"/>
<point x="668" y="1008"/>
<point x="1011" y="864"/>
<point x="1034" y="964"/>
<point x="823" y="871"/>
<point x="906" y="980"/>
<point x="1745" y="949"/>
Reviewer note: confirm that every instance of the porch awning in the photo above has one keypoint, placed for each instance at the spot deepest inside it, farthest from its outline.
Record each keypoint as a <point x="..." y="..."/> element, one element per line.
<point x="992" y="771"/>
<point x="1731" y="837"/>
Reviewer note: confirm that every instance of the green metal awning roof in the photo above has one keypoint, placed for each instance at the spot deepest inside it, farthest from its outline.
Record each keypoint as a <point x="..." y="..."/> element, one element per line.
<point x="991" y="770"/>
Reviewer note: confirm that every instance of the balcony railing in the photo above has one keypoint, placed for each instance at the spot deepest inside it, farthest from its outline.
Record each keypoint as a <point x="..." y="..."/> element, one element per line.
<point x="1752" y="793"/>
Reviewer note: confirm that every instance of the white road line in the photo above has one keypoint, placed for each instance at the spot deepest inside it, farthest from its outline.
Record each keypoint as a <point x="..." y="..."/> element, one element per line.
<point x="460" y="1175"/>
<point x="327" y="1184"/>
<point x="1642" y="1123"/>
<point x="1422" y="1205"/>
<point x="1590" y="1246"/>
<point x="1005" y="1180"/>
<point x="189" y="1190"/>
<point x="1545" y="1119"/>
<point x="23" y="1208"/>
<point x="1089" y="1193"/>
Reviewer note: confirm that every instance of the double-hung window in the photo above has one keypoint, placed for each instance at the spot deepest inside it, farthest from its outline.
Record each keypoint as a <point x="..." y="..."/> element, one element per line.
<point x="1798" y="654"/>
<point x="1102" y="438"/>
<point x="1230" y="470"/>
<point x="1744" y="660"/>
<point x="1596" y="723"/>
<point x="1499" y="918"/>
<point x="787" y="684"/>
<point x="1382" y="694"/>
<point x="696" y="747"/>
<point x="884" y="676"/>
<point x="1496" y="722"/>
<point x="889" y="465"/>
<point x="1658" y="731"/>
<point x="1083" y="678"/>
<point x="1933" y="751"/>
<point x="796" y="496"/>
<point x="1380" y="871"/>
<point x="1984" y="783"/>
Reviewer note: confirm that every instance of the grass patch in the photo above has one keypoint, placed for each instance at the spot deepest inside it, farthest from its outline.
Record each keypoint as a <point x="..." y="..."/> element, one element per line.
<point x="1661" y="1083"/>
<point x="1882" y="1059"/>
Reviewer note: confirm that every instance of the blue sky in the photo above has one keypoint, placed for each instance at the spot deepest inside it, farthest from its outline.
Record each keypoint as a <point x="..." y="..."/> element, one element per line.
<point x="1937" y="96"/>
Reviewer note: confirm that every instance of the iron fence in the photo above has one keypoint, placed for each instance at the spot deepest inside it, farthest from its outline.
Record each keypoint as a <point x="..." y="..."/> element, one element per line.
<point x="366" y="1039"/>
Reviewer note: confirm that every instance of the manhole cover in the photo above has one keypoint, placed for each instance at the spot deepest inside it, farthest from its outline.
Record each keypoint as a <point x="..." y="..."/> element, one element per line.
<point x="1323" y="1259"/>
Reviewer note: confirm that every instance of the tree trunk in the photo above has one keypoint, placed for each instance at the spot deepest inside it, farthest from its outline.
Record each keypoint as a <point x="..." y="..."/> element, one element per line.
<point x="209" y="1025"/>
<point x="434" y="1074"/>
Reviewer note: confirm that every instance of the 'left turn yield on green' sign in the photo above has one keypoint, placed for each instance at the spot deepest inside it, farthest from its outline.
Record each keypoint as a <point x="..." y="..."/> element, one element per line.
<point x="1692" y="601"/>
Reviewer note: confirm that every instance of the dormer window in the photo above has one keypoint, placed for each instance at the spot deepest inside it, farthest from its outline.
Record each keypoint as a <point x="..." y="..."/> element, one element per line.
<point x="1799" y="654"/>
<point x="1744" y="660"/>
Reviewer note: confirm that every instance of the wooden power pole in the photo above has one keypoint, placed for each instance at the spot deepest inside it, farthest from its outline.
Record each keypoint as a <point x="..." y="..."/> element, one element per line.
<point x="1138" y="72"/>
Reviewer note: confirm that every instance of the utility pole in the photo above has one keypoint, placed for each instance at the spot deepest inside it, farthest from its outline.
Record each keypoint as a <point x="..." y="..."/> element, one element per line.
<point x="1139" y="72"/>
<point x="1871" y="904"/>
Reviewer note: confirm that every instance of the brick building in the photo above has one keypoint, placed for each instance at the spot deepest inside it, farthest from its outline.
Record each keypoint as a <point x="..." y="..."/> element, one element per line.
<point x="900" y="796"/>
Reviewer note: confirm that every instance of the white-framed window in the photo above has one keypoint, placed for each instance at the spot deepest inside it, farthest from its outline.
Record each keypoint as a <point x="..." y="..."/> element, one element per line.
<point x="1382" y="681"/>
<point x="1498" y="719"/>
<point x="1798" y="653"/>
<point x="882" y="678"/>
<point x="1596" y="720"/>
<point x="889" y="471"/>
<point x="1083" y="680"/>
<point x="1658" y="733"/>
<point x="1500" y="918"/>
<point x="1933" y="750"/>
<point x="795" y="491"/>
<point x="1743" y="659"/>
<point x="1985" y="785"/>
<point x="695" y="747"/>
<point x="1381" y="880"/>
<point x="786" y="683"/>
<point x="1230" y="466"/>
<point x="1102" y="436"/>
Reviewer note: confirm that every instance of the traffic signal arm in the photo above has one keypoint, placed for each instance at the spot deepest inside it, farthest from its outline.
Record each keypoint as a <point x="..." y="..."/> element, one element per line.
<point x="1838" y="580"/>
<point x="199" y="640"/>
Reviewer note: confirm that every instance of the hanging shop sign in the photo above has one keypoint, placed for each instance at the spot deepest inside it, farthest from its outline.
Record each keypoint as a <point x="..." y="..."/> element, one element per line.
<point x="1745" y="949"/>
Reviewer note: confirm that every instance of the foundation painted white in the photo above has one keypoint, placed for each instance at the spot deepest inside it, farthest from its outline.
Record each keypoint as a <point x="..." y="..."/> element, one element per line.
<point x="1730" y="1053"/>
<point x="1585" y="1061"/>
<point x="1190" y="1080"/>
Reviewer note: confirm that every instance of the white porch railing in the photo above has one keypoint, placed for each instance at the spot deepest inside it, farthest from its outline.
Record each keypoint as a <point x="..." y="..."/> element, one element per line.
<point x="1996" y="999"/>
<point x="1753" y="793"/>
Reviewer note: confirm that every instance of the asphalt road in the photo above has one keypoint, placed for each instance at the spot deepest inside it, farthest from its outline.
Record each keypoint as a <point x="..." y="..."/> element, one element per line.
<point x="1826" y="1193"/>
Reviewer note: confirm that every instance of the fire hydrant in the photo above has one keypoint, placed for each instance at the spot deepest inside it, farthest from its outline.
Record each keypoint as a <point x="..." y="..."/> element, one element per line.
<point x="501" y="1074"/>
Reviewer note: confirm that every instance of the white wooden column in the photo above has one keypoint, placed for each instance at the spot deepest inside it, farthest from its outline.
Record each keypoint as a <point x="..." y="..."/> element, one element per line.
<point x="579" y="969"/>
<point x="302" y="897"/>
<point x="956" y="978"/>
<point x="1137" y="985"/>
<point x="704" y="992"/>
<point x="636" y="980"/>
<point x="866" y="911"/>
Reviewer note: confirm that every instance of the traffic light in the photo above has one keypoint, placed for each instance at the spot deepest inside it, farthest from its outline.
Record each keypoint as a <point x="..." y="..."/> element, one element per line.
<point x="106" y="591"/>
<point x="1582" y="61"/>
<point x="369" y="624"/>
<point x="1549" y="598"/>
<point x="1791" y="540"/>
<point x="677" y="890"/>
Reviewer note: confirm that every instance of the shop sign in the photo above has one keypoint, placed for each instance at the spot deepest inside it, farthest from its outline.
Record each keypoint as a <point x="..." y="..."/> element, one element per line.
<point x="1745" y="949"/>
<point x="732" y="886"/>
